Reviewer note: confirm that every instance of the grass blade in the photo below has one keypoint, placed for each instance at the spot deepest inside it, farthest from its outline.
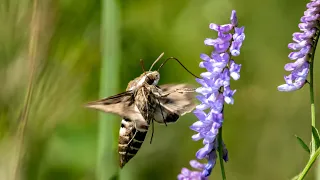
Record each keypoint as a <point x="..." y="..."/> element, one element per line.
<point x="107" y="167"/>
<point x="32" y="57"/>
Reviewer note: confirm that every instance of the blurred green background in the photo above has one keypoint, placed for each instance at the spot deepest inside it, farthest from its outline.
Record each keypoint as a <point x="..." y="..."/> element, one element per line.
<point x="62" y="137"/>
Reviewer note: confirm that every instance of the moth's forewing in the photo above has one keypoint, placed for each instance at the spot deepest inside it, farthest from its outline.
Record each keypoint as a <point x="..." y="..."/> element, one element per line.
<point x="133" y="128"/>
<point x="121" y="104"/>
<point x="175" y="100"/>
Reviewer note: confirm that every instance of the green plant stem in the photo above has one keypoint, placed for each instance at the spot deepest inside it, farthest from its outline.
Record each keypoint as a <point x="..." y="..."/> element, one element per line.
<point x="223" y="173"/>
<point x="107" y="165"/>
<point x="313" y="112"/>
<point x="309" y="165"/>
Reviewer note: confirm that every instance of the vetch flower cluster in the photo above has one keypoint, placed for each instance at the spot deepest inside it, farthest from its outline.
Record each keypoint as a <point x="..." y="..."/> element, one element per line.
<point x="304" y="44"/>
<point x="214" y="91"/>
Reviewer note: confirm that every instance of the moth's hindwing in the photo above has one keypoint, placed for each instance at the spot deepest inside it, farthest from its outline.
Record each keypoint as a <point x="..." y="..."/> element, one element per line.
<point x="174" y="101"/>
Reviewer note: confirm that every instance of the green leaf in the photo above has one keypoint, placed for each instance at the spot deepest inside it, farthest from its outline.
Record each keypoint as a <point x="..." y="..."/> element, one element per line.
<point x="315" y="134"/>
<point x="303" y="145"/>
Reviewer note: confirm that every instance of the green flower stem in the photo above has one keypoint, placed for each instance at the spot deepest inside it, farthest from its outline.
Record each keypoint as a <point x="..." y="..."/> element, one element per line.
<point x="309" y="165"/>
<point x="223" y="173"/>
<point x="107" y="164"/>
<point x="313" y="112"/>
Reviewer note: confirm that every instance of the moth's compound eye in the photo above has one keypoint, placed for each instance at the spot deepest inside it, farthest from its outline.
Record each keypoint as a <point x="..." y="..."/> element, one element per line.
<point x="150" y="79"/>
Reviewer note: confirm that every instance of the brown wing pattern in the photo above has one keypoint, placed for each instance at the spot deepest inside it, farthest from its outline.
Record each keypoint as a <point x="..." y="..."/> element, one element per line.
<point x="175" y="100"/>
<point x="121" y="104"/>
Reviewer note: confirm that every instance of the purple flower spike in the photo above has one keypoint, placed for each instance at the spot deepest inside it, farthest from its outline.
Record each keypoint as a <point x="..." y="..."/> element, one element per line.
<point x="303" y="45"/>
<point x="214" y="92"/>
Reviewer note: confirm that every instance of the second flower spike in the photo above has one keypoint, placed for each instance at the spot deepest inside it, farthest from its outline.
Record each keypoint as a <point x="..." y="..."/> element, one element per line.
<point x="304" y="48"/>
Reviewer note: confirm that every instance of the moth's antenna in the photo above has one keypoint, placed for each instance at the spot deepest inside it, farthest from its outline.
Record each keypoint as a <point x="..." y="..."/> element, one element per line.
<point x="142" y="65"/>
<point x="144" y="71"/>
<point x="156" y="61"/>
<point x="179" y="63"/>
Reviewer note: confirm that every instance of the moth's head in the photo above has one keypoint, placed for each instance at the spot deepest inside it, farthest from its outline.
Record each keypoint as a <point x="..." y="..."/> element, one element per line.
<point x="152" y="77"/>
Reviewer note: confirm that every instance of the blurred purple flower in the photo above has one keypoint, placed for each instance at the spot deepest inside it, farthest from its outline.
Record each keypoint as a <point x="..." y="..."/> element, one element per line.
<point x="214" y="92"/>
<point x="303" y="45"/>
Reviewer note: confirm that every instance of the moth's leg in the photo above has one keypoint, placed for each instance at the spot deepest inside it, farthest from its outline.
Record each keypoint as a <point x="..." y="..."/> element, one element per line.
<point x="182" y="90"/>
<point x="132" y="137"/>
<point x="152" y="131"/>
<point x="161" y="109"/>
<point x="146" y="100"/>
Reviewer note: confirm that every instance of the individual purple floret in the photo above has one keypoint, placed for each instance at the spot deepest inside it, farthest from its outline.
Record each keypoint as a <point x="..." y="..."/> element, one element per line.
<point x="214" y="92"/>
<point x="186" y="174"/>
<point x="303" y="45"/>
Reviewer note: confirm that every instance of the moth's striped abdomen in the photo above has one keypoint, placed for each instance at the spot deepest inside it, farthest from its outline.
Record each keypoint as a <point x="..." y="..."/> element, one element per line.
<point x="130" y="141"/>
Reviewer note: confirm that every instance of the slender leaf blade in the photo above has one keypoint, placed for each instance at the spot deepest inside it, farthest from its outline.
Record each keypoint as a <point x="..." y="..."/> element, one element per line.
<point x="316" y="137"/>
<point x="303" y="145"/>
